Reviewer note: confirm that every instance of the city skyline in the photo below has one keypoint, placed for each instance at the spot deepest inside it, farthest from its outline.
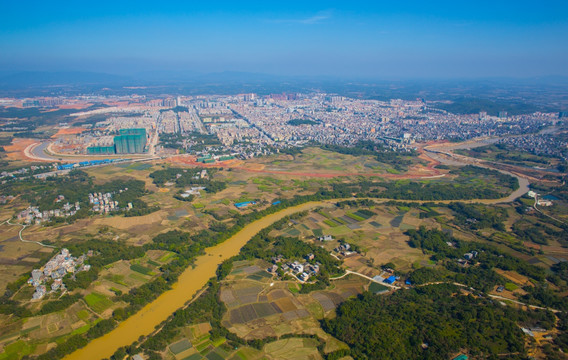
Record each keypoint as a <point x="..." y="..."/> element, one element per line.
<point x="440" y="39"/>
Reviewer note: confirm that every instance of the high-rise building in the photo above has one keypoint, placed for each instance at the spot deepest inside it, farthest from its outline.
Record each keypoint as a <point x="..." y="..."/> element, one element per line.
<point x="169" y="102"/>
<point x="130" y="141"/>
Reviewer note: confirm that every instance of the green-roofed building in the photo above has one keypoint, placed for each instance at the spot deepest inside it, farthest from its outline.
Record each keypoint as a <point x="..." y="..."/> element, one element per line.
<point x="100" y="150"/>
<point x="130" y="141"/>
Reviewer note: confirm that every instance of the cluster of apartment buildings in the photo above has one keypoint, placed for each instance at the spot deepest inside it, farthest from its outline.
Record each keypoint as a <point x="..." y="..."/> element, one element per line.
<point x="250" y="125"/>
<point x="53" y="272"/>
<point x="170" y="122"/>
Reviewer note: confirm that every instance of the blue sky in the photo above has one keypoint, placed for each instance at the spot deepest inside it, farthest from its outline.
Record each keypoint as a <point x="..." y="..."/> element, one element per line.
<point x="380" y="39"/>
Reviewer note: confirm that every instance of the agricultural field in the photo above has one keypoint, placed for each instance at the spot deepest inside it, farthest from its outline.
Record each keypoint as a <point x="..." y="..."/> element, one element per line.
<point x="508" y="154"/>
<point x="318" y="161"/>
<point x="41" y="330"/>
<point x="259" y="307"/>
<point x="377" y="232"/>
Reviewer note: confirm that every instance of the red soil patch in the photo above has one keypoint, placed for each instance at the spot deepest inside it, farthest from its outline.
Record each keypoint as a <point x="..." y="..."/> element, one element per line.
<point x="117" y="103"/>
<point x="15" y="151"/>
<point x="531" y="245"/>
<point x="75" y="106"/>
<point x="416" y="173"/>
<point x="69" y="131"/>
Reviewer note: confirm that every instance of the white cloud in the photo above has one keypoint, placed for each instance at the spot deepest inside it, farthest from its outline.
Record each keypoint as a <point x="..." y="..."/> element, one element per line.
<point x="315" y="19"/>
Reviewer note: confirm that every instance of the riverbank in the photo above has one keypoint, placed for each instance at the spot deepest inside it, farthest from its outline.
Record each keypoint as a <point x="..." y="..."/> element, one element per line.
<point x="189" y="283"/>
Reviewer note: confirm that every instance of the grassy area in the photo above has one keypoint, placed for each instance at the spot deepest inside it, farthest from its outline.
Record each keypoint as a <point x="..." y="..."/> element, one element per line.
<point x="83" y="315"/>
<point x="98" y="302"/>
<point x="293" y="288"/>
<point x="511" y="287"/>
<point x="16" y="350"/>
<point x="83" y="329"/>
<point x="376" y="287"/>
<point x="218" y="342"/>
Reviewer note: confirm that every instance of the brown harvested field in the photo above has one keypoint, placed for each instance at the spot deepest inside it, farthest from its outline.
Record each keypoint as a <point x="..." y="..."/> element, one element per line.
<point x="203" y="328"/>
<point x="228" y="298"/>
<point x="127" y="223"/>
<point x="285" y="304"/>
<point x="531" y="245"/>
<point x="294" y="348"/>
<point x="555" y="250"/>
<point x="514" y="277"/>
<point x="16" y="257"/>
<point x="326" y="303"/>
<point x="277" y="294"/>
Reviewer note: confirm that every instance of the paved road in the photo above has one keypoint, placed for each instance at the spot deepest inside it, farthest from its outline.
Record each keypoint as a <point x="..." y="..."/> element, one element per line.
<point x="28" y="241"/>
<point x="347" y="272"/>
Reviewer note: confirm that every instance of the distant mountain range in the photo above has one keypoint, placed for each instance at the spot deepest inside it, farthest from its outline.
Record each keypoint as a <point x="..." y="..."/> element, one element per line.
<point x="70" y="78"/>
<point x="42" y="78"/>
<point x="546" y="93"/>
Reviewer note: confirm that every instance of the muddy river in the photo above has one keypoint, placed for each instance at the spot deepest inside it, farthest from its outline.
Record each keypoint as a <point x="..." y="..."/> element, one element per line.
<point x="189" y="282"/>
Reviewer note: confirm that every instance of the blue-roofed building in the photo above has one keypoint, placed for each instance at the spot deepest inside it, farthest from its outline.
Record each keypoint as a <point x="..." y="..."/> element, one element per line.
<point x="66" y="167"/>
<point x="244" y="204"/>
<point x="408" y="282"/>
<point x="276" y="202"/>
<point x="390" y="280"/>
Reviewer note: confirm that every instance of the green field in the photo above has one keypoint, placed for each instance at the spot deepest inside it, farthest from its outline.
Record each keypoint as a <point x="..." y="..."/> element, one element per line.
<point x="180" y="346"/>
<point x="166" y="257"/>
<point x="98" y="302"/>
<point x="140" y="269"/>
<point x="153" y="263"/>
<point x="331" y="223"/>
<point x="355" y="217"/>
<point x="511" y="287"/>
<point x="16" y="350"/>
<point x="376" y="287"/>
<point x="196" y="356"/>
